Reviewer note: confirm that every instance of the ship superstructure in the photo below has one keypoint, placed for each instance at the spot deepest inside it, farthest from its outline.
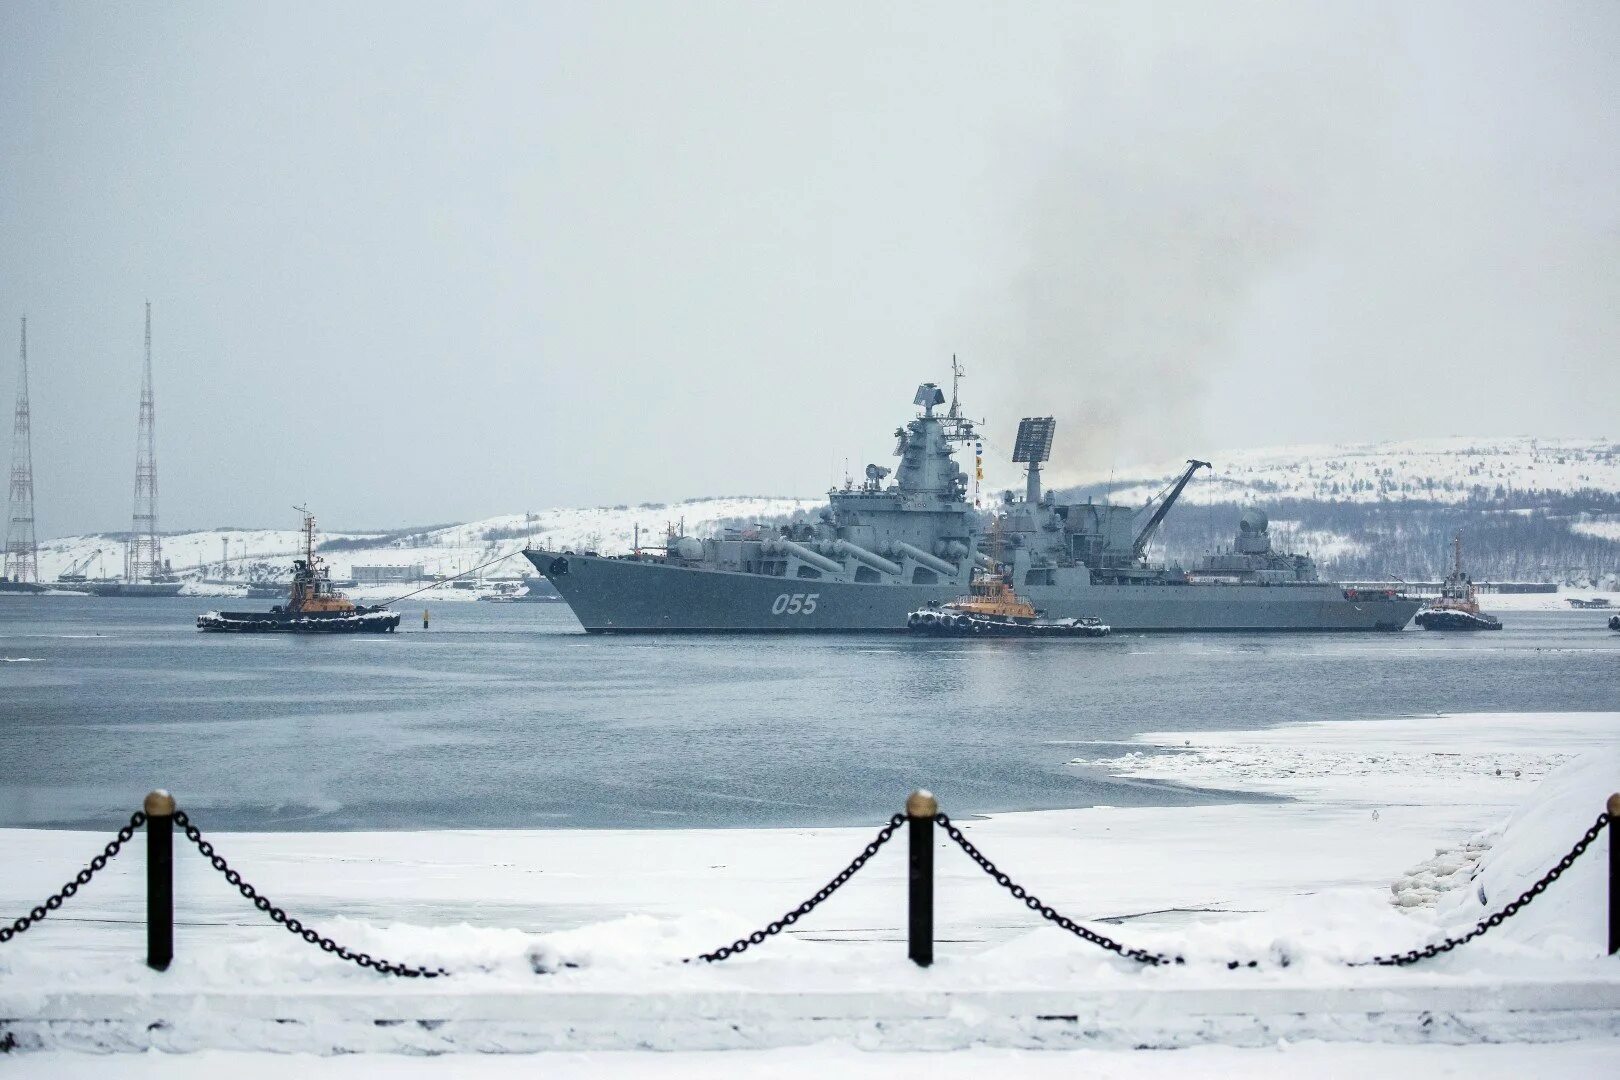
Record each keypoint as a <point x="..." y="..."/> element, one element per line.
<point x="885" y="548"/>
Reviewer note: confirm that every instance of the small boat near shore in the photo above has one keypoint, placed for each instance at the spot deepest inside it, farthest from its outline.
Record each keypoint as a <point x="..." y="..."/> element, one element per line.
<point x="315" y="606"/>
<point x="1456" y="608"/>
<point x="1614" y="622"/>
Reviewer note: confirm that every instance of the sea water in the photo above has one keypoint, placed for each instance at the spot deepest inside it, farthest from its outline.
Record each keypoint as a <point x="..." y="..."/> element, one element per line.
<point x="509" y="716"/>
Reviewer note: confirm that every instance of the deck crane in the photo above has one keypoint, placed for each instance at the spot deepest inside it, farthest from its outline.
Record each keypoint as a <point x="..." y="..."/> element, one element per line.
<point x="76" y="572"/>
<point x="1166" y="502"/>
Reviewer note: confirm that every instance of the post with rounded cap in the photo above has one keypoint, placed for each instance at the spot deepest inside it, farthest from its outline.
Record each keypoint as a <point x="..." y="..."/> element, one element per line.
<point x="159" y="880"/>
<point x="921" y="806"/>
<point x="1614" y="873"/>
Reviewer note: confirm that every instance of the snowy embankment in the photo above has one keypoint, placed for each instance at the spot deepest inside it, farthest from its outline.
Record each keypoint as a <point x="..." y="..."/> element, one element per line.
<point x="574" y="939"/>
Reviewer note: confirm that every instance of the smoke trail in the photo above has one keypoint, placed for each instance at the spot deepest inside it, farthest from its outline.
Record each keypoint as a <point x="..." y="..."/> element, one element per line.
<point x="1194" y="162"/>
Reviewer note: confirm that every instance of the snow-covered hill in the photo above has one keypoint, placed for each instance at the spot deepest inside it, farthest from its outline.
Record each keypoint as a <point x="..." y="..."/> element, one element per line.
<point x="1444" y="470"/>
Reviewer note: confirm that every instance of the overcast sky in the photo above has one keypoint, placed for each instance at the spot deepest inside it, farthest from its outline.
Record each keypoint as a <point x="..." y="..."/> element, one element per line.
<point x="420" y="263"/>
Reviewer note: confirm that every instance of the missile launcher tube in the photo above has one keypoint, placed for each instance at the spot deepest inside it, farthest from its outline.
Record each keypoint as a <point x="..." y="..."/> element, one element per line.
<point x="820" y="562"/>
<point x="870" y="558"/>
<point x="933" y="562"/>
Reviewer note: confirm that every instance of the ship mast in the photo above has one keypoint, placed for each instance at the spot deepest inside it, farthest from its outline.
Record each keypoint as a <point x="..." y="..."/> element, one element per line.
<point x="309" y="536"/>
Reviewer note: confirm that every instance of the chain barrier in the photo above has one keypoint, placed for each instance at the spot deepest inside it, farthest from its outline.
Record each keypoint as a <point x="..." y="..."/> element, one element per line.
<point x="1399" y="959"/>
<point x="277" y="915"/>
<point x="776" y="926"/>
<point x="1046" y="911"/>
<point x="58" y="898"/>
<point x="1496" y="918"/>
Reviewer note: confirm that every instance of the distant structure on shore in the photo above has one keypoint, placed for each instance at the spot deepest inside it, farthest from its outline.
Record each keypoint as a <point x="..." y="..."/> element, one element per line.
<point x="146" y="573"/>
<point x="22" y="550"/>
<point x="143" y="558"/>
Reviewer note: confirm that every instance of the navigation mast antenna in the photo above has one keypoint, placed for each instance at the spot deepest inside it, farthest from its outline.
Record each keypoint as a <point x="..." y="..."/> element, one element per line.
<point x="144" y="557"/>
<point x="22" y="551"/>
<point x="1033" y="445"/>
<point x="956" y="378"/>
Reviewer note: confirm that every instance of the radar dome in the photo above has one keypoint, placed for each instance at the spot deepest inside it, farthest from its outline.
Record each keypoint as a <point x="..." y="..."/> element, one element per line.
<point x="1253" y="521"/>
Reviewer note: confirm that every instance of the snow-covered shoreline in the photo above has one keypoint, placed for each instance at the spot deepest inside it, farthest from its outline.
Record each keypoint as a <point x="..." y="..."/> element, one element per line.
<point x="1302" y="885"/>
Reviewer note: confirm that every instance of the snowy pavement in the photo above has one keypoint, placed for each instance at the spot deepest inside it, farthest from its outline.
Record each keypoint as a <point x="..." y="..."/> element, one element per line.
<point x="1390" y="833"/>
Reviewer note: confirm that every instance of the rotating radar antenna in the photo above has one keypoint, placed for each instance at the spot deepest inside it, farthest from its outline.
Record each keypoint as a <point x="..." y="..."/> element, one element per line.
<point x="1033" y="446"/>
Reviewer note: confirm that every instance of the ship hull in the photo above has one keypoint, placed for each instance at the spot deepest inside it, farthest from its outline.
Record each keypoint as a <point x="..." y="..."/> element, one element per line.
<point x="611" y="595"/>
<point x="1441" y="619"/>
<point x="275" y="622"/>
<point x="136" y="588"/>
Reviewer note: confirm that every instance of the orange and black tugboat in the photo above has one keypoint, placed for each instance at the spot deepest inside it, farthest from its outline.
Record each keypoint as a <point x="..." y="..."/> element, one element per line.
<point x="993" y="608"/>
<point x="1456" y="609"/>
<point x="315" y="607"/>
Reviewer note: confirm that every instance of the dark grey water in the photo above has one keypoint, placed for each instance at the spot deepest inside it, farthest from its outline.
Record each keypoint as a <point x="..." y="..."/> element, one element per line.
<point x="509" y="716"/>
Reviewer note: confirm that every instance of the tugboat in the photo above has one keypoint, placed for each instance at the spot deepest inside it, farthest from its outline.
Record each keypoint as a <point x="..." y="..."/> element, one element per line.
<point x="1456" y="609"/>
<point x="315" y="607"/>
<point x="993" y="608"/>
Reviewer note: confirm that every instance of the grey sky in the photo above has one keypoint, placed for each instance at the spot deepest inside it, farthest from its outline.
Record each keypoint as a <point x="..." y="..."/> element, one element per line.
<point x="430" y="262"/>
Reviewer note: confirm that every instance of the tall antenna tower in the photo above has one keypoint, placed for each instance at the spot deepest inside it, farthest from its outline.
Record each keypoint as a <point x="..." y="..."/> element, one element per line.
<point x="143" y="559"/>
<point x="22" y="552"/>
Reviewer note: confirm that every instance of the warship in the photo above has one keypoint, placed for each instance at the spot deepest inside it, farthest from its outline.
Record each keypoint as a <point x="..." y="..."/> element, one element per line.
<point x="883" y="549"/>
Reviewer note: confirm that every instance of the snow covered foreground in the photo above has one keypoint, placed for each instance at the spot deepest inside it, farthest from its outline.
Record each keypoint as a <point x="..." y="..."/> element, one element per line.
<point x="571" y="940"/>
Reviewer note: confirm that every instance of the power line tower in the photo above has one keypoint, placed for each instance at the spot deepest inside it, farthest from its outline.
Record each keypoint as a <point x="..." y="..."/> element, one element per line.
<point x="22" y="552"/>
<point x="143" y="559"/>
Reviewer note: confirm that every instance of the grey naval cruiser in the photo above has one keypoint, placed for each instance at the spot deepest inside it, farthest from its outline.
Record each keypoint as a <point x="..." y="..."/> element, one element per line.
<point x="884" y="548"/>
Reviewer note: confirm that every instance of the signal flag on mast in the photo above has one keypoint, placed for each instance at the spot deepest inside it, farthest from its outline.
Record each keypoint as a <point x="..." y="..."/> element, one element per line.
<point x="978" y="470"/>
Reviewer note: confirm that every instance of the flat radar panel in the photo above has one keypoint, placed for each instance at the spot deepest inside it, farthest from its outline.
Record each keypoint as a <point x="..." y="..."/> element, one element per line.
<point x="1034" y="442"/>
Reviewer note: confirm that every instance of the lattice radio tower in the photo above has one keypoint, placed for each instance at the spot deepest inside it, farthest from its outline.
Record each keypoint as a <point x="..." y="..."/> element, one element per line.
<point x="143" y="559"/>
<point x="22" y="553"/>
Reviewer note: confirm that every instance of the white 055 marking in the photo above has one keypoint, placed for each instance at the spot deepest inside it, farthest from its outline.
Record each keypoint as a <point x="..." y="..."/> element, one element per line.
<point x="795" y="604"/>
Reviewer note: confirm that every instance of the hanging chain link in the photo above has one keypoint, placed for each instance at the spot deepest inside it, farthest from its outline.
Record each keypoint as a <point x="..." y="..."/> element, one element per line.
<point x="365" y="960"/>
<point x="58" y="898"/>
<point x="1496" y="918"/>
<point x="776" y="926"/>
<point x="1046" y="911"/>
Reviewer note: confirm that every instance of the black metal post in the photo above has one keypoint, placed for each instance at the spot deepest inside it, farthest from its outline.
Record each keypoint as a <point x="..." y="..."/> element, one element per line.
<point x="920" y="810"/>
<point x="1614" y="873"/>
<point x="159" y="880"/>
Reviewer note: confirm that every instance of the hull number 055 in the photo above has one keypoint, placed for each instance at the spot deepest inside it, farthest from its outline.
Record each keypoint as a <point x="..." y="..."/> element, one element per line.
<point x="795" y="604"/>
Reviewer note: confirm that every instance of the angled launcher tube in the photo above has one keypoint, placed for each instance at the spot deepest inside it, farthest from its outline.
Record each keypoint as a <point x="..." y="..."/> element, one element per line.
<point x="870" y="558"/>
<point x="933" y="562"/>
<point x="805" y="555"/>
